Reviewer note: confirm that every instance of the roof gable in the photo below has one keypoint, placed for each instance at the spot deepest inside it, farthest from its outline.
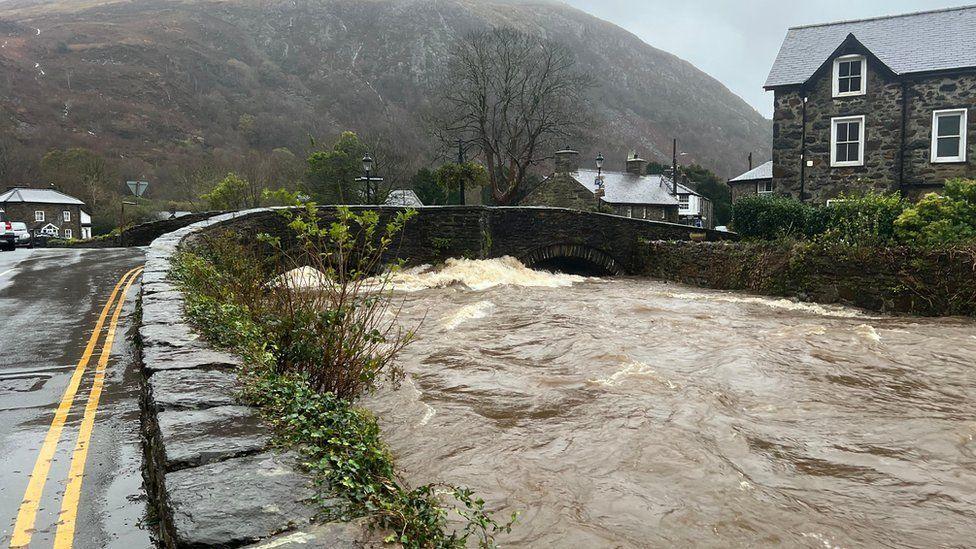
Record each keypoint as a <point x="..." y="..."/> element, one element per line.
<point x="911" y="43"/>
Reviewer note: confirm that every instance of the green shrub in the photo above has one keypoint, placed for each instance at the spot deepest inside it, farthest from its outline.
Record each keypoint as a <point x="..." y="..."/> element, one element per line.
<point x="770" y="217"/>
<point x="940" y="219"/>
<point x="867" y="219"/>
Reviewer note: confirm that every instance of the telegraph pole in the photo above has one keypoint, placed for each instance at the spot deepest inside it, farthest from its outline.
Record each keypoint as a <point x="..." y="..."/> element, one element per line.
<point x="674" y="165"/>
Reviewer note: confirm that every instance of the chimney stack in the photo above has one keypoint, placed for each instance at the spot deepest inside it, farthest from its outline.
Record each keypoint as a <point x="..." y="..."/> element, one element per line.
<point x="636" y="165"/>
<point x="567" y="160"/>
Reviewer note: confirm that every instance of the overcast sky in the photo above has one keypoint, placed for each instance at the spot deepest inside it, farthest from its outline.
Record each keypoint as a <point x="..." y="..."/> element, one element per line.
<point x="736" y="41"/>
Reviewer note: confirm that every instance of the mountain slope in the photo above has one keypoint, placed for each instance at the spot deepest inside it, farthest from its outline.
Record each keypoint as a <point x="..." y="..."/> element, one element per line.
<point x="157" y="81"/>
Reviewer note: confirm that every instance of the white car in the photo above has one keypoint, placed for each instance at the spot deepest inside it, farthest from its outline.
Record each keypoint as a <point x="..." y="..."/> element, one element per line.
<point x="23" y="234"/>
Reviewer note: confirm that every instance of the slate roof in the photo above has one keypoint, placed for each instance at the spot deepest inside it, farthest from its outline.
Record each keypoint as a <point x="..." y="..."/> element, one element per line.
<point x="627" y="188"/>
<point x="763" y="171"/>
<point x="909" y="43"/>
<point x="39" y="196"/>
<point x="403" y="197"/>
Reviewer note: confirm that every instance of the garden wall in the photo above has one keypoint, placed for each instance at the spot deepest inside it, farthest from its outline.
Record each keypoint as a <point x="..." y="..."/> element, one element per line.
<point x="892" y="280"/>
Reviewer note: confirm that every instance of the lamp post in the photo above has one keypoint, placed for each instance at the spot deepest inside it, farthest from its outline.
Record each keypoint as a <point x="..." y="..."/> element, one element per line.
<point x="368" y="167"/>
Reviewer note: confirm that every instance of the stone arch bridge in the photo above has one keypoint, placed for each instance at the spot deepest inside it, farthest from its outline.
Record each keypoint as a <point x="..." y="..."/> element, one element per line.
<point x="541" y="237"/>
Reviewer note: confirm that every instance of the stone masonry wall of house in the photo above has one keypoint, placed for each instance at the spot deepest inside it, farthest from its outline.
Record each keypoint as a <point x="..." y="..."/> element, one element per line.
<point x="891" y="280"/>
<point x="741" y="189"/>
<point x="925" y="96"/>
<point x="214" y="481"/>
<point x="882" y="107"/>
<point x="53" y="214"/>
<point x="561" y="190"/>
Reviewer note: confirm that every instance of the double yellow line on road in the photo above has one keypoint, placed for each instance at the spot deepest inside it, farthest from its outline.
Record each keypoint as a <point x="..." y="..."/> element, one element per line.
<point x="27" y="515"/>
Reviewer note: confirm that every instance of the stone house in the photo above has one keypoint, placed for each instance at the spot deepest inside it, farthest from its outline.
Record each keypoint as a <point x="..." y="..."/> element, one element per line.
<point x="757" y="181"/>
<point x="875" y="104"/>
<point x="632" y="193"/>
<point x="46" y="211"/>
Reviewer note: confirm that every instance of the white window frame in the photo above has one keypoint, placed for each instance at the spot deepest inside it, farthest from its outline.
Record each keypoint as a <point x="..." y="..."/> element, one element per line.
<point x="833" y="142"/>
<point x="963" y="130"/>
<point x="66" y="215"/>
<point x="39" y="216"/>
<point x="836" y="76"/>
<point x="67" y="233"/>
<point x="684" y="201"/>
<point x="764" y="186"/>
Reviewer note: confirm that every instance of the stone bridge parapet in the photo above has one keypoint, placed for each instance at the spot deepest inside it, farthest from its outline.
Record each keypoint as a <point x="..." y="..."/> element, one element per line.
<point x="537" y="236"/>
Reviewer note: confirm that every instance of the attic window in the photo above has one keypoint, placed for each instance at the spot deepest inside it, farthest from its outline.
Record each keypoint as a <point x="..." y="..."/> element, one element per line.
<point x="949" y="135"/>
<point x="850" y="76"/>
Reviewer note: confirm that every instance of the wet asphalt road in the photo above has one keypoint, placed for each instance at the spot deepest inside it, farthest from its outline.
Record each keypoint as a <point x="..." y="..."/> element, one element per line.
<point x="50" y="301"/>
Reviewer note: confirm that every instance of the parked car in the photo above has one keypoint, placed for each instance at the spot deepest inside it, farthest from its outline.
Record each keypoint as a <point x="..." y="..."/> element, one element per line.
<point x="8" y="239"/>
<point x="23" y="234"/>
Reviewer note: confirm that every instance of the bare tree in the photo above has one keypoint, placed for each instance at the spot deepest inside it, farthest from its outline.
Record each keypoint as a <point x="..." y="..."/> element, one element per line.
<point x="514" y="98"/>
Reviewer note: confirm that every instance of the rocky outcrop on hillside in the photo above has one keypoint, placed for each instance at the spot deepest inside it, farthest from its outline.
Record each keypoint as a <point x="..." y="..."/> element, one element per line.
<point x="157" y="81"/>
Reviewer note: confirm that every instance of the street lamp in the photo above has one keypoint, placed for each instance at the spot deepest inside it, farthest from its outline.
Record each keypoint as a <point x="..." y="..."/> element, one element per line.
<point x="367" y="167"/>
<point x="599" y="192"/>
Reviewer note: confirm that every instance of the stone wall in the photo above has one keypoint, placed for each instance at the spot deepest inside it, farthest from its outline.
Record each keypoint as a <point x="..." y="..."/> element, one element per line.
<point x="882" y="108"/>
<point x="741" y="189"/>
<point x="561" y="190"/>
<point x="139" y="235"/>
<point x="925" y="96"/>
<point x="212" y="476"/>
<point x="479" y="232"/>
<point x="891" y="280"/>
<point x="53" y="214"/>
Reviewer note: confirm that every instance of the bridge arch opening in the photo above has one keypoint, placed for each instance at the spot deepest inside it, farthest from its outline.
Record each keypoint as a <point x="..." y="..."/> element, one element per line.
<point x="572" y="259"/>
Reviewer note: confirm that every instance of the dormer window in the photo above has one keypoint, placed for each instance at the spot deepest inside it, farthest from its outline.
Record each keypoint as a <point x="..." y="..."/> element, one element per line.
<point x="850" y="76"/>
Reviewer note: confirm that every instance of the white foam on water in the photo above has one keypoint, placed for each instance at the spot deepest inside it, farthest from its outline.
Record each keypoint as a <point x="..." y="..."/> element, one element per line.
<point x="428" y="414"/>
<point x="825" y="541"/>
<point x="302" y="278"/>
<point x="773" y="303"/>
<point x="867" y="332"/>
<point x="472" y="311"/>
<point x="631" y="370"/>
<point x="480" y="274"/>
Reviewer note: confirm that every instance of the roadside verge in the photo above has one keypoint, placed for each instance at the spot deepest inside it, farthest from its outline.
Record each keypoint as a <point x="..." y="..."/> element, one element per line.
<point x="214" y="479"/>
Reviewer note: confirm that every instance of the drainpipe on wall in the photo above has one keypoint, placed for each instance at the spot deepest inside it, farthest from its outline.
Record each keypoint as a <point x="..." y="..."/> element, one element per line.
<point x="803" y="148"/>
<point x="901" y="148"/>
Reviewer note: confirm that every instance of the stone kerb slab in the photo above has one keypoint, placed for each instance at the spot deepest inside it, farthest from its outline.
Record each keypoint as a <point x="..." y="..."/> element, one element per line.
<point x="213" y="479"/>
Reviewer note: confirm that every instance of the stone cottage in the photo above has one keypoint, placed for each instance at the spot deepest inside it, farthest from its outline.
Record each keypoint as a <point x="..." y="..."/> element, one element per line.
<point x="46" y="211"/>
<point x="875" y="104"/>
<point x="757" y="181"/>
<point x="631" y="193"/>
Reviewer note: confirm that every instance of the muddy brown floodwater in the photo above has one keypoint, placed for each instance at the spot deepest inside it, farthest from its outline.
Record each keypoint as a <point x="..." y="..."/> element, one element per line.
<point x="635" y="413"/>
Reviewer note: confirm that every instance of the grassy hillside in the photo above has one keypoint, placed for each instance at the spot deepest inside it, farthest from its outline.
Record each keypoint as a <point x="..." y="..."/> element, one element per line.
<point x="157" y="83"/>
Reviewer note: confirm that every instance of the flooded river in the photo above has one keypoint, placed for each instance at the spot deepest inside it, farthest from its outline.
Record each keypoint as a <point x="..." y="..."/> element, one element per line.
<point x="635" y="413"/>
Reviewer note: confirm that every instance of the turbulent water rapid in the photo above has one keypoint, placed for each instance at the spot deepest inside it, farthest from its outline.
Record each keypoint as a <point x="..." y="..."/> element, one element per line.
<point x="635" y="413"/>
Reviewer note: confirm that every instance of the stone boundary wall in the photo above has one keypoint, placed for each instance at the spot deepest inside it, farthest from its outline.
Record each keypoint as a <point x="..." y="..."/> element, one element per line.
<point x="891" y="280"/>
<point x="137" y="235"/>
<point x="212" y="478"/>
